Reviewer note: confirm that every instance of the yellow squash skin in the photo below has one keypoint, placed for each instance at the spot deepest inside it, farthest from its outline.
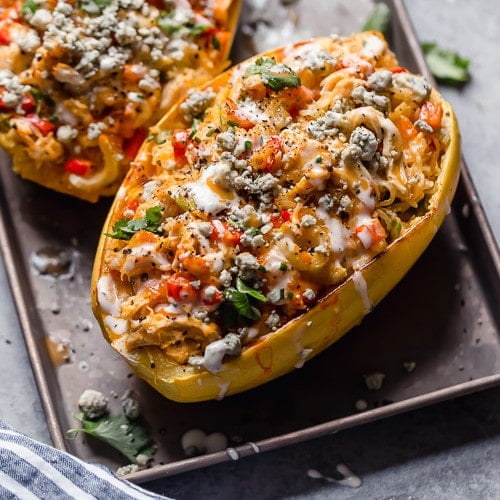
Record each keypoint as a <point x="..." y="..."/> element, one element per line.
<point x="279" y="352"/>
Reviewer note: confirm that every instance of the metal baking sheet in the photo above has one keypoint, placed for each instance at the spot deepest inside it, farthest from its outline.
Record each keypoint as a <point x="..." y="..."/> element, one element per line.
<point x="434" y="337"/>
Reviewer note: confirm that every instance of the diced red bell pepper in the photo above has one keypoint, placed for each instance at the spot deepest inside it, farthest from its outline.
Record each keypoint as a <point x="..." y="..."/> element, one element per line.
<point x="406" y="127"/>
<point x="131" y="146"/>
<point x="28" y="103"/>
<point x="278" y="220"/>
<point x="213" y="298"/>
<point x="44" y="126"/>
<point x="157" y="3"/>
<point x="297" y="98"/>
<point x="180" y="288"/>
<point x="4" y="36"/>
<point x="222" y="231"/>
<point x="237" y="116"/>
<point x="180" y="142"/>
<point x="371" y="234"/>
<point x="3" y="106"/>
<point x="268" y="157"/>
<point x="432" y="113"/>
<point x="78" y="166"/>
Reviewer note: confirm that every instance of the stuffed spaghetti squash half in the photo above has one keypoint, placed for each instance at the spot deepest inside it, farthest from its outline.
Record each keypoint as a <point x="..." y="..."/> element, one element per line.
<point x="269" y="211"/>
<point x="82" y="81"/>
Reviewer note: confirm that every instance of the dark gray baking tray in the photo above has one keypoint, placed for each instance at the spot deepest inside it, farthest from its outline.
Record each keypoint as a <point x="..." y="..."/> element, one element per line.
<point x="434" y="337"/>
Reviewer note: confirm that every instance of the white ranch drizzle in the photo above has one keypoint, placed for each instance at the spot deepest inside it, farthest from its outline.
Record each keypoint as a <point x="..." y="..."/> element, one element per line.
<point x="338" y="233"/>
<point x="362" y="289"/>
<point x="116" y="325"/>
<point x="107" y="295"/>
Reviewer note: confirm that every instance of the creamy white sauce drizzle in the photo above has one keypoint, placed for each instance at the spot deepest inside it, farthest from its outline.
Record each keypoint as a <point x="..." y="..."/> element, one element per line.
<point x="116" y="325"/>
<point x="362" y="289"/>
<point x="148" y="255"/>
<point x="205" y="198"/>
<point x="214" y="354"/>
<point x="302" y="357"/>
<point x="107" y="296"/>
<point x="223" y="387"/>
<point x="365" y="196"/>
<point x="338" y="233"/>
<point x="251" y="109"/>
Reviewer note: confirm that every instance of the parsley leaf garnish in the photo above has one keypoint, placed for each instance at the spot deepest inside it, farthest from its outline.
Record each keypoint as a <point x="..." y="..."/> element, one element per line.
<point x="275" y="76"/>
<point x="239" y="301"/>
<point x="124" y="229"/>
<point x="445" y="65"/>
<point x="126" y="436"/>
<point x="379" y="19"/>
<point x="28" y="8"/>
<point x="94" y="6"/>
<point x="170" y="26"/>
<point x="242" y="287"/>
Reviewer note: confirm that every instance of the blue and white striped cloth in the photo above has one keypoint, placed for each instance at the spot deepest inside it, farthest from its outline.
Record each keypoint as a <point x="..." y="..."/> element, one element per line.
<point x="33" y="470"/>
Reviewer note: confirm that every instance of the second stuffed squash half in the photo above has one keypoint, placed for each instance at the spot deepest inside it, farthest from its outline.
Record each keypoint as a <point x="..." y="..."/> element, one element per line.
<point x="82" y="82"/>
<point x="269" y="211"/>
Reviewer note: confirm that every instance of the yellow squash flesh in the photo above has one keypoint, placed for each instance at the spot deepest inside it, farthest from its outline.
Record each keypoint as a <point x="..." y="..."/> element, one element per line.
<point x="279" y="352"/>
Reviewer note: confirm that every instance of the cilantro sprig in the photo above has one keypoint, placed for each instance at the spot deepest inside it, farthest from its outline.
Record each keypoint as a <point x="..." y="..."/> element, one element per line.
<point x="379" y="19"/>
<point x="94" y="6"/>
<point x="240" y="304"/>
<point x="275" y="76"/>
<point x="28" y="8"/>
<point x="447" y="66"/>
<point x="170" y="26"/>
<point x="128" y="437"/>
<point x="124" y="229"/>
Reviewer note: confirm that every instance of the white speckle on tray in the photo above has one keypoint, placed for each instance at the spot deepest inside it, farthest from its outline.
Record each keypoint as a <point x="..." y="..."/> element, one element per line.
<point x="85" y="324"/>
<point x="361" y="405"/>
<point x="465" y="210"/>
<point x="233" y="454"/>
<point x="374" y="380"/>
<point x="348" y="477"/>
<point x="409" y="366"/>
<point x="254" y="447"/>
<point x="52" y="262"/>
<point x="83" y="366"/>
<point x="55" y="308"/>
<point x="59" y="348"/>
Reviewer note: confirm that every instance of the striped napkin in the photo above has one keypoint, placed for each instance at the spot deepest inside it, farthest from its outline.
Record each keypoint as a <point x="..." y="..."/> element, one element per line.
<point x="32" y="470"/>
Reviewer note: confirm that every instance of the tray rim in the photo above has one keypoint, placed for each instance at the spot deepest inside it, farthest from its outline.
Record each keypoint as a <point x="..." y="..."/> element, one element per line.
<point x="24" y="304"/>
